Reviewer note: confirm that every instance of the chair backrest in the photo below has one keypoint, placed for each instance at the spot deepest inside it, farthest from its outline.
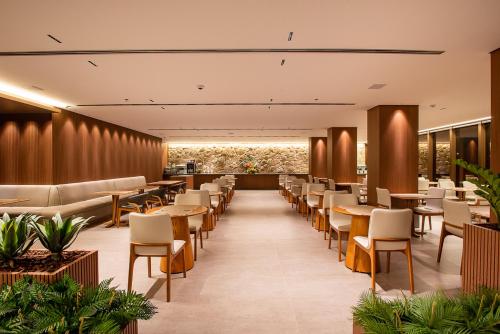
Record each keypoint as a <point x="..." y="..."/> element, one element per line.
<point x="423" y="185"/>
<point x="310" y="178"/>
<point x="338" y="199"/>
<point x="435" y="203"/>
<point x="210" y="186"/>
<point x="188" y="199"/>
<point x="304" y="189"/>
<point x="456" y="212"/>
<point x="384" y="197"/>
<point x="326" y="198"/>
<point x="314" y="187"/>
<point x="331" y="184"/>
<point x="448" y="185"/>
<point x="296" y="186"/>
<point x="315" y="179"/>
<point x="148" y="229"/>
<point x="386" y="224"/>
<point x="281" y="178"/>
<point x="356" y="190"/>
<point x="205" y="196"/>
<point x="469" y="185"/>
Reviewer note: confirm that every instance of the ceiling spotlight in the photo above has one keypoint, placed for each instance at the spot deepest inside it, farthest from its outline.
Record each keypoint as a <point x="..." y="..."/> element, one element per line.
<point x="282" y="62"/>
<point x="163" y="108"/>
<point x="443" y="108"/>
<point x="432" y="105"/>
<point x="152" y="101"/>
<point x="290" y="36"/>
<point x="377" y="86"/>
<point x="126" y="100"/>
<point x="36" y="87"/>
<point x="54" y="39"/>
<point x="200" y="86"/>
<point x="316" y="99"/>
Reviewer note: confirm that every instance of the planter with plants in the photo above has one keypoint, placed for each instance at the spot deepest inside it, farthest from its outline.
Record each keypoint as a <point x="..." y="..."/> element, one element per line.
<point x="17" y="260"/>
<point x="434" y="313"/>
<point x="66" y="306"/>
<point x="481" y="250"/>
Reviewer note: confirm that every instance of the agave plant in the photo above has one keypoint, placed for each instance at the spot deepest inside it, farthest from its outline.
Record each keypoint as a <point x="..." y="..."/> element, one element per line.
<point x="488" y="184"/>
<point x="16" y="236"/>
<point x="57" y="234"/>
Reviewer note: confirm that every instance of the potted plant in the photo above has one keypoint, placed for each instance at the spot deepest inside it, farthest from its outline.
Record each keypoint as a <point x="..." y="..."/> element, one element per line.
<point x="49" y="265"/>
<point x="480" y="255"/>
<point x="16" y="237"/>
<point x="65" y="306"/>
<point x="432" y="313"/>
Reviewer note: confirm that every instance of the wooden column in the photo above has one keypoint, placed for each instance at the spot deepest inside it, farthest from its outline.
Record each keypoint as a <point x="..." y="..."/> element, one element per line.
<point x="342" y="154"/>
<point x="317" y="156"/>
<point x="495" y="112"/>
<point x="453" y="155"/>
<point x="481" y="143"/>
<point x="431" y="156"/>
<point x="393" y="154"/>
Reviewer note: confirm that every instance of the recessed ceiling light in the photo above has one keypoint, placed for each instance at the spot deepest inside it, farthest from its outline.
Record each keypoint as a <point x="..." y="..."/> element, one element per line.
<point x="163" y="108"/>
<point x="92" y="63"/>
<point x="54" y="39"/>
<point x="126" y="100"/>
<point x="282" y="62"/>
<point x="290" y="36"/>
<point x="200" y="86"/>
<point x="432" y="105"/>
<point x="377" y="86"/>
<point x="443" y="108"/>
<point x="36" y="87"/>
<point x="152" y="101"/>
<point x="230" y="133"/>
<point x="316" y="99"/>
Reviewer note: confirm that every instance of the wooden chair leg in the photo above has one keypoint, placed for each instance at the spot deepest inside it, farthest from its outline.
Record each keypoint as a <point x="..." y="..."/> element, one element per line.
<point x="410" y="267"/>
<point x="324" y="227"/>
<point x="422" y="226"/>
<point x="201" y="239"/>
<point x="131" y="269"/>
<point x="441" y="242"/>
<point x="169" y="274"/>
<point x="339" y="245"/>
<point x="354" y="257"/>
<point x="373" y="266"/>
<point x="149" y="266"/>
<point x="388" y="261"/>
<point x="195" y="246"/>
<point x="330" y="237"/>
<point x="430" y="223"/>
<point x="184" y="262"/>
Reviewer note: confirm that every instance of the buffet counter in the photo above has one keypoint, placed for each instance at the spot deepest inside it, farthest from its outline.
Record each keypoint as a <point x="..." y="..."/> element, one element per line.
<point x="243" y="182"/>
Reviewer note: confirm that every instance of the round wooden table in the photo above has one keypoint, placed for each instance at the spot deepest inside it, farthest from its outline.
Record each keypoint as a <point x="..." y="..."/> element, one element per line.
<point x="360" y="222"/>
<point x="179" y="215"/>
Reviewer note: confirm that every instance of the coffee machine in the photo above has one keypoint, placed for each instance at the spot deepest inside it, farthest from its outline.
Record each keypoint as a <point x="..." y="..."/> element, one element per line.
<point x="191" y="167"/>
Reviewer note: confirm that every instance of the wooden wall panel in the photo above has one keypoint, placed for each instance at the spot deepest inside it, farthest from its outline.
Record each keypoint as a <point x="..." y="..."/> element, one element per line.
<point x="495" y="112"/>
<point x="393" y="154"/>
<point x="342" y="154"/>
<point x="88" y="149"/>
<point x="26" y="148"/>
<point x="318" y="156"/>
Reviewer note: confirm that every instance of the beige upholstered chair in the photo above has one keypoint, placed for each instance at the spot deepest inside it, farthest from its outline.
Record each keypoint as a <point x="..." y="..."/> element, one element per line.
<point x="456" y="214"/>
<point x="310" y="178"/>
<point x="152" y="236"/>
<point x="281" y="183"/>
<point x="225" y="190"/>
<point x="340" y="223"/>
<point x="208" y="219"/>
<point x="383" y="198"/>
<point x="303" y="199"/>
<point x="356" y="191"/>
<point x="216" y="201"/>
<point x="324" y="211"/>
<point x="295" y="191"/>
<point x="315" y="179"/>
<point x="389" y="231"/>
<point x="423" y="185"/>
<point x="331" y="184"/>
<point x="448" y="185"/>
<point x="432" y="207"/>
<point x="312" y="200"/>
<point x="195" y="222"/>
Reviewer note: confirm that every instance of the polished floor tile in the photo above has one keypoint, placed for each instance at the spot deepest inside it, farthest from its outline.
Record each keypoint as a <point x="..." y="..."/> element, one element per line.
<point x="265" y="270"/>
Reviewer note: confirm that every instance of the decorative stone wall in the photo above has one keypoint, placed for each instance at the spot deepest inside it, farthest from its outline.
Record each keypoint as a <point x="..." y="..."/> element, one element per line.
<point x="423" y="157"/>
<point x="229" y="158"/>
<point x="443" y="158"/>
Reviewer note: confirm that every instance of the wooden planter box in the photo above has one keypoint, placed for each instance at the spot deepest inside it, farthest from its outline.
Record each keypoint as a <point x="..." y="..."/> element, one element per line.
<point x="481" y="258"/>
<point x="83" y="270"/>
<point x="131" y="328"/>
<point x="357" y="329"/>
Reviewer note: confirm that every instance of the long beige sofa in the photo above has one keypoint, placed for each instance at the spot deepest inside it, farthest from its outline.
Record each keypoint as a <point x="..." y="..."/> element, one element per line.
<point x="68" y="199"/>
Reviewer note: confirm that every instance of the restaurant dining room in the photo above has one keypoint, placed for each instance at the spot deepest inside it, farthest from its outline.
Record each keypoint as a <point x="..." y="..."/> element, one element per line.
<point x="250" y="166"/>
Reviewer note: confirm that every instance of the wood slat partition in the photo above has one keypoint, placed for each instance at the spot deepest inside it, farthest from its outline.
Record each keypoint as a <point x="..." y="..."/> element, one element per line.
<point x="481" y="258"/>
<point x="495" y="113"/>
<point x="342" y="154"/>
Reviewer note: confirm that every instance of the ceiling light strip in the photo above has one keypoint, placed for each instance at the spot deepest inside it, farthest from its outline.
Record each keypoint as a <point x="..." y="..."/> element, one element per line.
<point x="456" y="125"/>
<point x="176" y="51"/>
<point x="23" y="95"/>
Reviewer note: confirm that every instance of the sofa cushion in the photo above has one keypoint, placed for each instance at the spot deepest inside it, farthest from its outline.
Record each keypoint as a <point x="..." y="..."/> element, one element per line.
<point x="129" y="182"/>
<point x="82" y="191"/>
<point x="38" y="195"/>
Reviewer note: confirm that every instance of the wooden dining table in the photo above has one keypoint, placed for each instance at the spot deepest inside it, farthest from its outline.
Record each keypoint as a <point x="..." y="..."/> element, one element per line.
<point x="179" y="215"/>
<point x="360" y="222"/>
<point x="8" y="201"/>
<point x="461" y="192"/>
<point x="115" y="203"/>
<point x="480" y="212"/>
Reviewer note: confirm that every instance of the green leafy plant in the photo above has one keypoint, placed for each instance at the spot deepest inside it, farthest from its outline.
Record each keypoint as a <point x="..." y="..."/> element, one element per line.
<point x="433" y="313"/>
<point x="57" y="234"/>
<point x="488" y="184"/>
<point x="66" y="307"/>
<point x="16" y="236"/>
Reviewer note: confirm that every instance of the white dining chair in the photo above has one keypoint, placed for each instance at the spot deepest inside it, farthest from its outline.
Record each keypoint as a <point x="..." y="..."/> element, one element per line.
<point x="324" y="212"/>
<point x="449" y="186"/>
<point x="389" y="231"/>
<point x="340" y="223"/>
<point x="356" y="191"/>
<point x="195" y="222"/>
<point x="295" y="191"/>
<point x="313" y="200"/>
<point x="216" y="201"/>
<point x="433" y="207"/>
<point x="208" y="218"/>
<point x="152" y="236"/>
<point x="303" y="200"/>
<point x="310" y="178"/>
<point x="331" y="184"/>
<point x="423" y="185"/>
<point x="456" y="214"/>
<point x="383" y="198"/>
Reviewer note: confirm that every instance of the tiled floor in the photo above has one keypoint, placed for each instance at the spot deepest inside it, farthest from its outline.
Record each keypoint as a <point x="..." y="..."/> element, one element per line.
<point x="265" y="270"/>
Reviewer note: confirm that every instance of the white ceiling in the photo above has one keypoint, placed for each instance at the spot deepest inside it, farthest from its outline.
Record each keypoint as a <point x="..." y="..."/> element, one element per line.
<point x="458" y="80"/>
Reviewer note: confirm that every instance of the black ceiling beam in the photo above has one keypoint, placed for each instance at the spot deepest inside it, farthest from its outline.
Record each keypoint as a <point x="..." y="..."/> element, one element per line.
<point x="220" y="104"/>
<point x="201" y="51"/>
